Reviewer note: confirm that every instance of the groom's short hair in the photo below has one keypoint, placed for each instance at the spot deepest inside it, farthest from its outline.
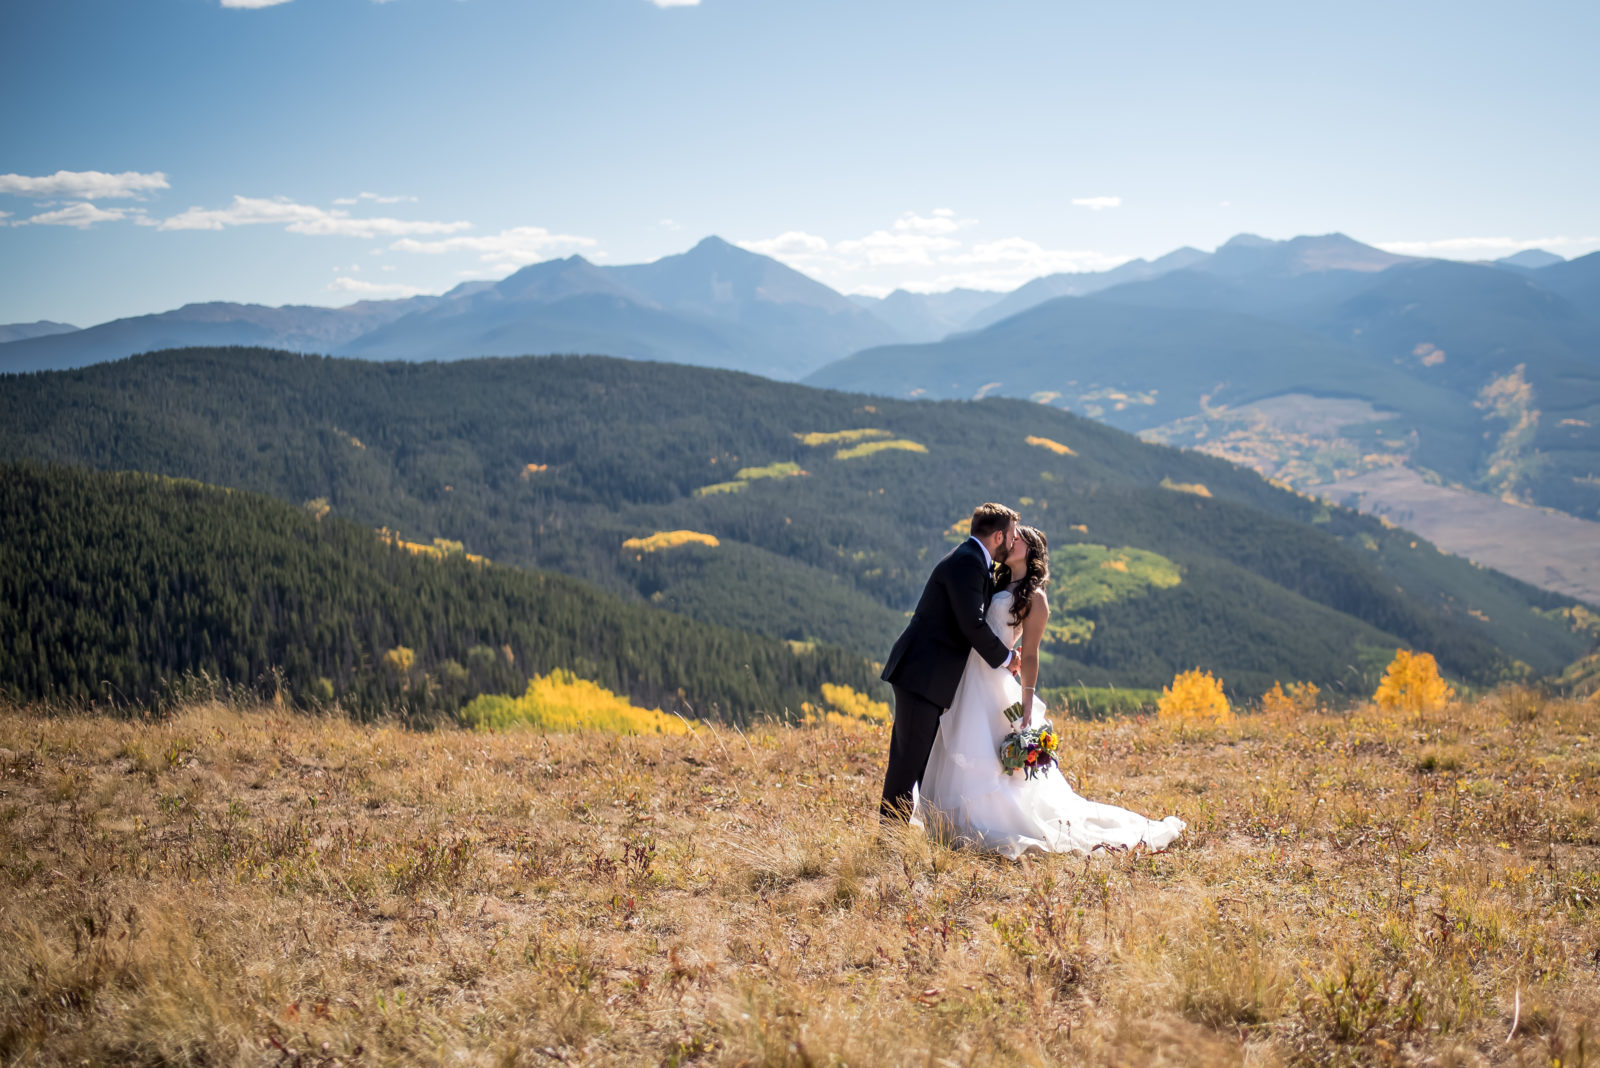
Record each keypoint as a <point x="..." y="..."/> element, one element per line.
<point x="990" y="517"/>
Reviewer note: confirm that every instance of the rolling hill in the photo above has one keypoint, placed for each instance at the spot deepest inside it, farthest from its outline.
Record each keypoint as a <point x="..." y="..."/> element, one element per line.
<point x="826" y="509"/>
<point x="129" y="582"/>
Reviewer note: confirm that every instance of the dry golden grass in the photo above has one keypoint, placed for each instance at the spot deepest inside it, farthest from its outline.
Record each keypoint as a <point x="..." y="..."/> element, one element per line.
<point x="248" y="886"/>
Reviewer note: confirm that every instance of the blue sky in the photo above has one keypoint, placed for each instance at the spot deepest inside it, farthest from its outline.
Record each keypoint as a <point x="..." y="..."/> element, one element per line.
<point x="158" y="152"/>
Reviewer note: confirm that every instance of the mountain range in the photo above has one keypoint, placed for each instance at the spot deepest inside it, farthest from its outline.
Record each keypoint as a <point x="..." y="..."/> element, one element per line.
<point x="1316" y="360"/>
<point x="714" y="305"/>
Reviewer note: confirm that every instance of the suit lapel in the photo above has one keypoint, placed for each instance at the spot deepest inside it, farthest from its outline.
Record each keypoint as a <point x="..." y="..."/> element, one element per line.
<point x="988" y="575"/>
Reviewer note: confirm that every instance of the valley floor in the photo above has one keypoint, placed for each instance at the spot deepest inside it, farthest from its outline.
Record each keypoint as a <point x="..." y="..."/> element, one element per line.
<point x="1546" y="548"/>
<point x="251" y="886"/>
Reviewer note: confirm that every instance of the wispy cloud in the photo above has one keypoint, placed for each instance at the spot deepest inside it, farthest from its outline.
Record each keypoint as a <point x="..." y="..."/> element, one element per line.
<point x="509" y="249"/>
<point x="676" y="3"/>
<point x="80" y="214"/>
<point x="253" y="3"/>
<point x="303" y="219"/>
<point x="924" y="253"/>
<point x="1490" y="248"/>
<point x="82" y="185"/>
<point x="375" y="198"/>
<point x="941" y="221"/>
<point x="1097" y="203"/>
<point x="788" y="243"/>
<point x="374" y="289"/>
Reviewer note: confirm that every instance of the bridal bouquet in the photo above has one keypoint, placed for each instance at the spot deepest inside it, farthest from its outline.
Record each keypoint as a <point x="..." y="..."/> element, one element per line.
<point x="1033" y="750"/>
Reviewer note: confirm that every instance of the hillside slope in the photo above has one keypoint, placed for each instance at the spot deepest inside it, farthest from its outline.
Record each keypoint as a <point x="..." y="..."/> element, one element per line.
<point x="119" y="584"/>
<point x="828" y="508"/>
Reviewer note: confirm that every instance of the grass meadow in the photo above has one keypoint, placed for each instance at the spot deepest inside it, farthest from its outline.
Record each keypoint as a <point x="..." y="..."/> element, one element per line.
<point x="245" y="885"/>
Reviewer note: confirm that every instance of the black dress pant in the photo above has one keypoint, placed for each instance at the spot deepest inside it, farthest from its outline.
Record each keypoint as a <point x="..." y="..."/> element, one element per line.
<point x="916" y="723"/>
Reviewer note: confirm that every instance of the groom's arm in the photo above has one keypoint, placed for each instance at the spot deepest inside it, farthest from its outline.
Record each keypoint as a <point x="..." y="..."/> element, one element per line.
<point x="965" y="587"/>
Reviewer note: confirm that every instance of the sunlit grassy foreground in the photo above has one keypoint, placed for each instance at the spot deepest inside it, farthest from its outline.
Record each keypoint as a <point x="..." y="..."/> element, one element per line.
<point x="248" y="886"/>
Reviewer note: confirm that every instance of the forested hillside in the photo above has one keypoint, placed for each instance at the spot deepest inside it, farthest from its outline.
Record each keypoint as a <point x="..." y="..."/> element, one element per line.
<point x="115" y="586"/>
<point x="1484" y="376"/>
<point x="810" y="515"/>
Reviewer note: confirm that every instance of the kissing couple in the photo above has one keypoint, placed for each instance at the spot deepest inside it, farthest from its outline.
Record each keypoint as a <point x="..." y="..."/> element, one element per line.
<point x="970" y="652"/>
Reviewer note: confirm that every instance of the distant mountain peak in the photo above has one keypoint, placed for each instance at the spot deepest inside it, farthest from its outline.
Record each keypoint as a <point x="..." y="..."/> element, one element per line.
<point x="554" y="279"/>
<point x="42" y="328"/>
<point x="1531" y="258"/>
<point x="1252" y="254"/>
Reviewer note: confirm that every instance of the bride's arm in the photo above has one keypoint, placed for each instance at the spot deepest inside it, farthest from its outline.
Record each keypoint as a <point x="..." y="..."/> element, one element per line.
<point x="1032" y="635"/>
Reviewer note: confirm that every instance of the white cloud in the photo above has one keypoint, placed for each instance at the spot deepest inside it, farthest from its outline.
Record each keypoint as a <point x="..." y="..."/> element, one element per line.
<point x="374" y="289"/>
<point x="669" y="224"/>
<point x="676" y="3"/>
<point x="1490" y="248"/>
<point x="1097" y="203"/>
<point x="302" y="219"/>
<point x="899" y="248"/>
<point x="83" y="185"/>
<point x="81" y="214"/>
<point x="788" y="243"/>
<point x="252" y="3"/>
<point x="375" y="198"/>
<point x="924" y="254"/>
<point x="943" y="221"/>
<point x="516" y="247"/>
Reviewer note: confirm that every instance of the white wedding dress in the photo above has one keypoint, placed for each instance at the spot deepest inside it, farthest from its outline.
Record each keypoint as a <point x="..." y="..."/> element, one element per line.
<point x="966" y="797"/>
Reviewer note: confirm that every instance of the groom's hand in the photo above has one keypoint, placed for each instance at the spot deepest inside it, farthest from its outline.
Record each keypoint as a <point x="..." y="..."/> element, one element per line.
<point x="1015" y="666"/>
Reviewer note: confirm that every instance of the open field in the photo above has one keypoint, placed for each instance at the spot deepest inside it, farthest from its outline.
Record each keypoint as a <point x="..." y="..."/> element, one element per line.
<point x="251" y="886"/>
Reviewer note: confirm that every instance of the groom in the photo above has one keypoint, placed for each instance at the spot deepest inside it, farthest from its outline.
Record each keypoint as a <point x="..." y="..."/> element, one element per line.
<point x="927" y="660"/>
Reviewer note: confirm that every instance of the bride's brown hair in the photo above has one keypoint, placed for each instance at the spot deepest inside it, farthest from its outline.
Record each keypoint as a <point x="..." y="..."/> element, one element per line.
<point x="1036" y="572"/>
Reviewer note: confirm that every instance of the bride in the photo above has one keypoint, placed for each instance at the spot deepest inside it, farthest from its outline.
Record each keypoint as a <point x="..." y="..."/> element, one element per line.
<point x="964" y="793"/>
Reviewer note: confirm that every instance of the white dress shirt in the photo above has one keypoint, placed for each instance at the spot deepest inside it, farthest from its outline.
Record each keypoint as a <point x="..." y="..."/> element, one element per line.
<point x="989" y="563"/>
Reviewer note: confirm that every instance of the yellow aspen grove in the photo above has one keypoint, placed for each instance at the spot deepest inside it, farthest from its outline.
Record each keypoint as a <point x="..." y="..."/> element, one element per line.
<point x="846" y="707"/>
<point x="1412" y="684"/>
<point x="561" y="701"/>
<point x="1194" y="697"/>
<point x="1299" y="700"/>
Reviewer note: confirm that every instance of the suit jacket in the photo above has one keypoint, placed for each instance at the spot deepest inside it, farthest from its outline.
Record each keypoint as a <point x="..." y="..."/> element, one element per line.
<point x="951" y="618"/>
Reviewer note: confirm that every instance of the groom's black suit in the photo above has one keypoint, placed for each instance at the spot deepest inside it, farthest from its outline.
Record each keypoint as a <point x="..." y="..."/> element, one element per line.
<point x="927" y="660"/>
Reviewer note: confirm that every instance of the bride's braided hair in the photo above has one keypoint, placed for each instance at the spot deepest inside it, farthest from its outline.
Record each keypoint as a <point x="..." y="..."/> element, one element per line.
<point x="1036" y="572"/>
